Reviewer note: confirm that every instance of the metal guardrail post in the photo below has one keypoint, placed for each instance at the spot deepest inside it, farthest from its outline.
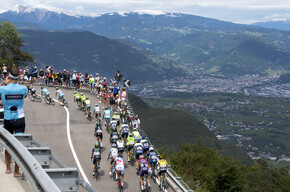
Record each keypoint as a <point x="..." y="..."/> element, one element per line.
<point x="33" y="171"/>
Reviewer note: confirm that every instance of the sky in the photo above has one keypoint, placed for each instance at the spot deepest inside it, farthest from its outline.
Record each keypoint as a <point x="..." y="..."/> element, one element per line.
<point x="237" y="11"/>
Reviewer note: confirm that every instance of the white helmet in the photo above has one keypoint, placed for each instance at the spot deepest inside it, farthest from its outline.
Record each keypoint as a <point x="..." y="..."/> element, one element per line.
<point x="151" y="149"/>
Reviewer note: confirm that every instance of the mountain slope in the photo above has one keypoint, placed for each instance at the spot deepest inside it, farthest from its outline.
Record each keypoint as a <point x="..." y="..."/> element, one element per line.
<point x="85" y="51"/>
<point x="279" y="24"/>
<point x="173" y="128"/>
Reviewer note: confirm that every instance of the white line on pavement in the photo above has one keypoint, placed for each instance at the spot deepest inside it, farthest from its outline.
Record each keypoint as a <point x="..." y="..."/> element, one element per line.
<point x="72" y="147"/>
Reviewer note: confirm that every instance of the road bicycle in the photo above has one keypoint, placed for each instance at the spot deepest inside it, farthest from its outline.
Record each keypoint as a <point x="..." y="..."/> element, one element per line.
<point x="63" y="101"/>
<point x="162" y="182"/>
<point x="97" y="169"/>
<point x="145" y="184"/>
<point x="48" y="100"/>
<point x="89" y="116"/>
<point x="34" y="97"/>
<point x="119" y="181"/>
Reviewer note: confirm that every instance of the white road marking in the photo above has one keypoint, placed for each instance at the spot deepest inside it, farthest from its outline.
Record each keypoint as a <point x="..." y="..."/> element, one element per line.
<point x="71" y="145"/>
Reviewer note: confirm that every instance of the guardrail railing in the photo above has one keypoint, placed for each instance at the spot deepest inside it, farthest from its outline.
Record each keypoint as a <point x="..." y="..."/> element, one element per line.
<point x="175" y="182"/>
<point x="35" y="161"/>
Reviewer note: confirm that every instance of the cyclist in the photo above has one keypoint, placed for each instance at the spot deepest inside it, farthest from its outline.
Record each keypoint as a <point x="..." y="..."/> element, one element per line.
<point x="161" y="167"/>
<point x="31" y="90"/>
<point x="99" y="132"/>
<point x="113" y="124"/>
<point x="44" y="92"/>
<point x="114" y="136"/>
<point x="96" y="156"/>
<point x="136" y="134"/>
<point x="138" y="149"/>
<point x="120" y="145"/>
<point x="142" y="169"/>
<point x="113" y="153"/>
<point x="82" y="98"/>
<point x="145" y="144"/>
<point x="97" y="111"/>
<point x="119" y="167"/>
<point x="76" y="96"/>
<point x="88" y="106"/>
<point x="124" y="130"/>
<point x="152" y="158"/>
<point x="107" y="115"/>
<point x="117" y="118"/>
<point x="130" y="144"/>
<point x="59" y="95"/>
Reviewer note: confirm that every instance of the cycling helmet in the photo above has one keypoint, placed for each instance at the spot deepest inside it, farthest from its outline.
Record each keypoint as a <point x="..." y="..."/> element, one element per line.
<point x="56" y="88"/>
<point x="161" y="157"/>
<point x="75" y="92"/>
<point x="96" y="145"/>
<point x="116" y="113"/>
<point x="96" y="105"/>
<point x="143" y="137"/>
<point x="134" y="129"/>
<point x="114" y="145"/>
<point x="106" y="108"/>
<point x="151" y="149"/>
<point x="125" y="122"/>
<point x="41" y="87"/>
<point x="87" y="98"/>
<point x="130" y="135"/>
<point x="120" y="137"/>
<point x="82" y="94"/>
<point x="120" y="155"/>
<point x="141" y="157"/>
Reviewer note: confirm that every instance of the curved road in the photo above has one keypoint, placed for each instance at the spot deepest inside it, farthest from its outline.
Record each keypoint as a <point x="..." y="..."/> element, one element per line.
<point x="48" y="126"/>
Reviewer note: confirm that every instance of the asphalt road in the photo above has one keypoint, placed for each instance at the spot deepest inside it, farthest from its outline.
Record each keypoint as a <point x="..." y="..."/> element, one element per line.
<point x="48" y="126"/>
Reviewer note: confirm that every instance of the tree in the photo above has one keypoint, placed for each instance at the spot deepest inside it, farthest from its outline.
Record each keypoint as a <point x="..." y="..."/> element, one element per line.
<point x="10" y="43"/>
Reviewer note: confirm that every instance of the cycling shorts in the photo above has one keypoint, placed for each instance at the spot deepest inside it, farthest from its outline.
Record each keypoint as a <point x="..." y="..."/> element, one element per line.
<point x="108" y="118"/>
<point x="121" y="150"/>
<point x="99" y="134"/>
<point x="130" y="147"/>
<point x="122" y="170"/>
<point x="15" y="126"/>
<point x="161" y="171"/>
<point x="88" y="107"/>
<point x="96" y="158"/>
<point x="144" y="172"/>
<point x="124" y="134"/>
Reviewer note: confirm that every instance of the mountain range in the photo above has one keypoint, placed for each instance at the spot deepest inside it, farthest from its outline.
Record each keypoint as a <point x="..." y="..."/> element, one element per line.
<point x="87" y="52"/>
<point x="196" y="44"/>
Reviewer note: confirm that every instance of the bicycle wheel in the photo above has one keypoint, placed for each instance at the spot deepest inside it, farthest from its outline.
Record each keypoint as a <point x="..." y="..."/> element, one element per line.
<point x="39" y="99"/>
<point x="65" y="103"/>
<point x="51" y="101"/>
<point x="31" y="97"/>
<point x="114" y="175"/>
<point x="46" y="100"/>
<point x="96" y="170"/>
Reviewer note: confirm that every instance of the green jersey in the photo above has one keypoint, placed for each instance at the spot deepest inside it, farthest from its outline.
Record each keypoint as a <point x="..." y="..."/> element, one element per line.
<point x="76" y="96"/>
<point x="130" y="141"/>
<point x="83" y="97"/>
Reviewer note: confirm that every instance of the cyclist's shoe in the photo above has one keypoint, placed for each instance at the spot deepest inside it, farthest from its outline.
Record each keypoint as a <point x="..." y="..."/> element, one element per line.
<point x="128" y="159"/>
<point x="117" y="178"/>
<point x="149" y="185"/>
<point x="110" y="173"/>
<point x="122" y="185"/>
<point x="98" y="166"/>
<point x="101" y="144"/>
<point x="93" y="173"/>
<point x="142" y="187"/>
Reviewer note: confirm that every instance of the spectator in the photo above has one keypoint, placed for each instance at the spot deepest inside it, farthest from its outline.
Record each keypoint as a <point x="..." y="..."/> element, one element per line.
<point x="4" y="70"/>
<point x="41" y="76"/>
<point x="12" y="96"/>
<point x="118" y="77"/>
<point x="20" y="73"/>
<point x="136" y="122"/>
